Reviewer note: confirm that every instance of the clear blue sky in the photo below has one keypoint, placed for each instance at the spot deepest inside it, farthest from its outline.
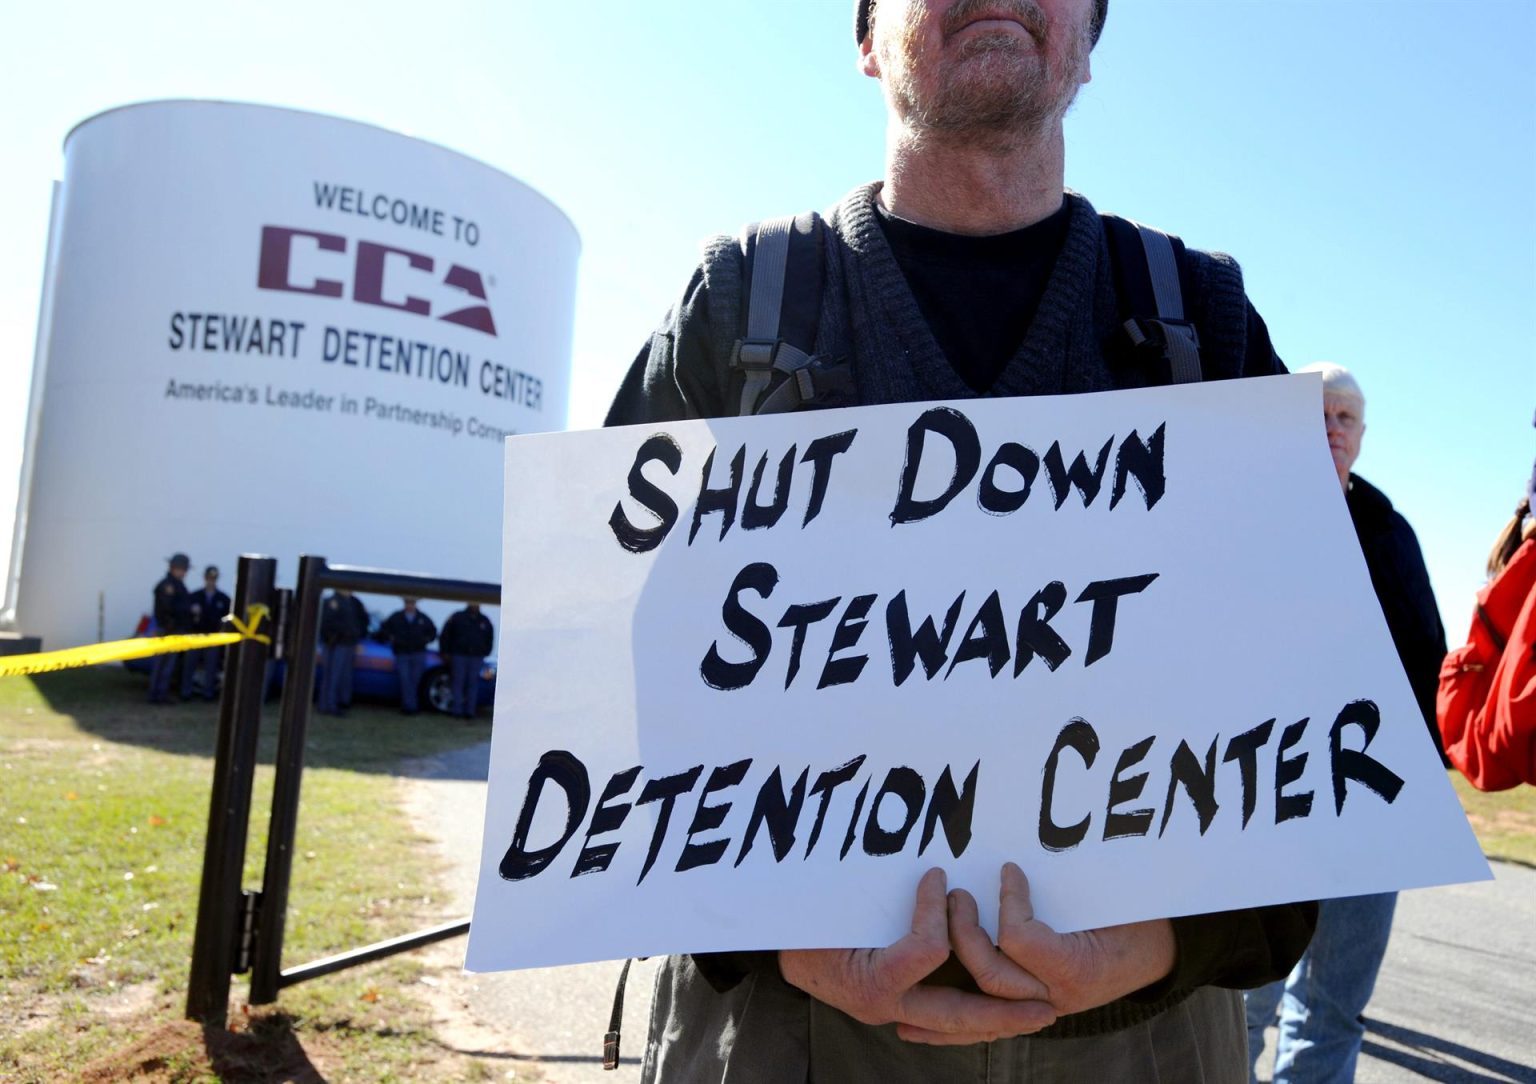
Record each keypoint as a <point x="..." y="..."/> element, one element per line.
<point x="1372" y="163"/>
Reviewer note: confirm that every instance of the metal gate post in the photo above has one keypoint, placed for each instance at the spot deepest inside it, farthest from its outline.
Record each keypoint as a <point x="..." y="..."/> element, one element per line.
<point x="298" y="690"/>
<point x="219" y="902"/>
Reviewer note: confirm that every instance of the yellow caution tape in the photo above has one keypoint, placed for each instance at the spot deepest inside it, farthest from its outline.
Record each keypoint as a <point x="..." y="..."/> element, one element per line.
<point x="247" y="628"/>
<point x="142" y="647"/>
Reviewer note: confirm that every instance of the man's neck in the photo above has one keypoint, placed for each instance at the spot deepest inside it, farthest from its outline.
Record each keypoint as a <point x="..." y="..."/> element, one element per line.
<point x="973" y="186"/>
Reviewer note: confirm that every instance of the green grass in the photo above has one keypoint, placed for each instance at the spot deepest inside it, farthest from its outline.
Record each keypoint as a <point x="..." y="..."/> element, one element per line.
<point x="96" y="785"/>
<point x="1505" y="821"/>
<point x="103" y="810"/>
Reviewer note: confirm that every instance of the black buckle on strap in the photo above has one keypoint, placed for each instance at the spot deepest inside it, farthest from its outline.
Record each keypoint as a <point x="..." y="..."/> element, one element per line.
<point x="1168" y="351"/>
<point x="1153" y="335"/>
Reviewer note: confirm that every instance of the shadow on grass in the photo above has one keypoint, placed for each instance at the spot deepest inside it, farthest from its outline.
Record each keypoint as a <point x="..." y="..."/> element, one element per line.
<point x="1508" y="861"/>
<point x="108" y="702"/>
<point x="267" y="1053"/>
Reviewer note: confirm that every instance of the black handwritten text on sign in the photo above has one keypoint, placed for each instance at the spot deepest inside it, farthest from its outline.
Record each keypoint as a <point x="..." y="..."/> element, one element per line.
<point x="1003" y="487"/>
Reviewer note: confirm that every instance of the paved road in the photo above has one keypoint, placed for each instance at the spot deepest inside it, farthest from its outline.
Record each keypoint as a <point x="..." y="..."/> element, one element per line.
<point x="1456" y="1000"/>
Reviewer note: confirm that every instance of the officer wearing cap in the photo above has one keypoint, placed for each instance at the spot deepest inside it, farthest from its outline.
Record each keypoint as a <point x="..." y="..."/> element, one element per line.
<point x="967" y="269"/>
<point x="208" y="607"/>
<point x="343" y="624"/>
<point x="409" y="631"/>
<point x="466" y="641"/>
<point x="173" y="616"/>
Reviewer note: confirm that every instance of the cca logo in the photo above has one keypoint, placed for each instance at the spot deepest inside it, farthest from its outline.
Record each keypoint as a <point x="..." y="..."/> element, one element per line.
<point x="368" y="271"/>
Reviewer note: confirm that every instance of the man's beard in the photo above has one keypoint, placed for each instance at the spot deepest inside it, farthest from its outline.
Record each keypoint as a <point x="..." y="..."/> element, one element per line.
<point x="990" y="87"/>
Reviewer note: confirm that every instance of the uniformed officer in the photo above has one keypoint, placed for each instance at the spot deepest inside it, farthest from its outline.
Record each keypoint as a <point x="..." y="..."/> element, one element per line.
<point x="467" y="639"/>
<point x="209" y="606"/>
<point x="173" y="616"/>
<point x="409" y="631"/>
<point x="343" y="624"/>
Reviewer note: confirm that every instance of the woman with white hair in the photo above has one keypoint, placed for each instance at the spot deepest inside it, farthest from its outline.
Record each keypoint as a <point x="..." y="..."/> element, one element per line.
<point x="1320" y="1002"/>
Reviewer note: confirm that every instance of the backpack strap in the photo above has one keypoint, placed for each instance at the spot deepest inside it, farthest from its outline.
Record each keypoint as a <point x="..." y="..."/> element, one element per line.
<point x="615" y="1021"/>
<point x="773" y="366"/>
<point x="1146" y="264"/>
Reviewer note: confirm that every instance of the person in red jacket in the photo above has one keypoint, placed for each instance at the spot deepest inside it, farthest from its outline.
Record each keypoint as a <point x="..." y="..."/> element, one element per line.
<point x="1487" y="701"/>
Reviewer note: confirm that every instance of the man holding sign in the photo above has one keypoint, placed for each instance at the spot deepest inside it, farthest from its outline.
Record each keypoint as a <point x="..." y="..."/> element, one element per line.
<point x="968" y="271"/>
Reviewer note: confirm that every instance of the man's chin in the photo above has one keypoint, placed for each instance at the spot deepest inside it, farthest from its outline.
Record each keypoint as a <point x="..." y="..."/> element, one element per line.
<point x="1001" y="52"/>
<point x="989" y="38"/>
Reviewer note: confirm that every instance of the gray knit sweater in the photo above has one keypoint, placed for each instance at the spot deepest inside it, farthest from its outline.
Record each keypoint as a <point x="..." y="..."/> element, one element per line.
<point x="870" y="317"/>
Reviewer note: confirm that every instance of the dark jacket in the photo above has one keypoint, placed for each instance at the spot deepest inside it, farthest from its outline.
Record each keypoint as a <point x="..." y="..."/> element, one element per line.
<point x="208" y="615"/>
<point x="468" y="633"/>
<point x="1402" y="587"/>
<point x="408" y="634"/>
<point x="343" y="620"/>
<point x="171" y="610"/>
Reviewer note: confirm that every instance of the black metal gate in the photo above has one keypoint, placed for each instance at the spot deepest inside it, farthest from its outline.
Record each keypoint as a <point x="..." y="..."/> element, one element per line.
<point x="239" y="929"/>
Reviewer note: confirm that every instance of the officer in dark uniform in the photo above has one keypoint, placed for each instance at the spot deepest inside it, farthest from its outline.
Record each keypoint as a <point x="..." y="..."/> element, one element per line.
<point x="408" y="632"/>
<point x="173" y="616"/>
<point x="209" y="606"/>
<point x="343" y="624"/>
<point x="467" y="639"/>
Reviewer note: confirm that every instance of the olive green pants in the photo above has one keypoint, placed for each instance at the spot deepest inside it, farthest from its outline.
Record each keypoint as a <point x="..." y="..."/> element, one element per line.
<point x="766" y="1032"/>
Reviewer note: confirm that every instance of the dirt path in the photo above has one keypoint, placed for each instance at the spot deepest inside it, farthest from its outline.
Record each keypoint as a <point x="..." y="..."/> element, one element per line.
<point x="544" y="1024"/>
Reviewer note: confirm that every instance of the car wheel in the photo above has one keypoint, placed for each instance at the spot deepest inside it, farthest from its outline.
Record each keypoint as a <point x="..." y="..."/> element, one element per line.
<point x="436" y="690"/>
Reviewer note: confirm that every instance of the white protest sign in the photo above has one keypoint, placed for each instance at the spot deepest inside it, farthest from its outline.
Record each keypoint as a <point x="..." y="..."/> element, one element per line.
<point x="757" y="675"/>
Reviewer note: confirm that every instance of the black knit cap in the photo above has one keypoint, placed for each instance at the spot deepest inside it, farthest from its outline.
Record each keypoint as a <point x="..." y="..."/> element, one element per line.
<point x="861" y="19"/>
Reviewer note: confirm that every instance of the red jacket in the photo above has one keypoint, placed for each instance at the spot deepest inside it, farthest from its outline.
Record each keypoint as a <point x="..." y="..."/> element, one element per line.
<point x="1486" y="704"/>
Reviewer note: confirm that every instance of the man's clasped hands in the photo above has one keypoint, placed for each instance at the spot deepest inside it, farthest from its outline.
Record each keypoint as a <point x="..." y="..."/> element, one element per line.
<point x="1023" y="983"/>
